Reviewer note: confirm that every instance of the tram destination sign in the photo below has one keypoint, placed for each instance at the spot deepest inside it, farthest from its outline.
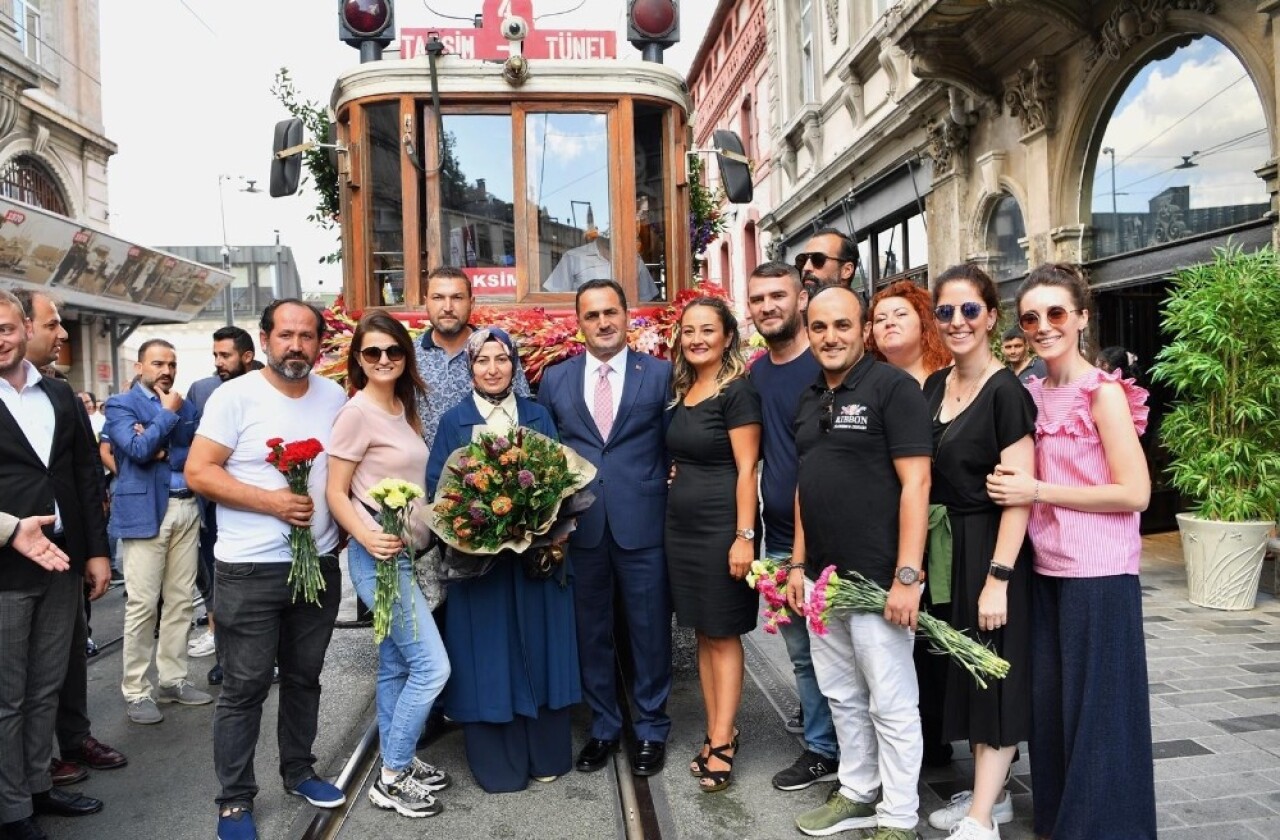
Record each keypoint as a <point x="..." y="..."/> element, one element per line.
<point x="487" y="42"/>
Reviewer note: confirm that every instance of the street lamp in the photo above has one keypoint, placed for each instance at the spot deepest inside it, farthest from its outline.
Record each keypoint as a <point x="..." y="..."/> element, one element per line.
<point x="250" y="187"/>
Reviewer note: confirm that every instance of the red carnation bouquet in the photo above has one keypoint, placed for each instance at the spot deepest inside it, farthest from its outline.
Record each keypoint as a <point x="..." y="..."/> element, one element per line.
<point x="294" y="460"/>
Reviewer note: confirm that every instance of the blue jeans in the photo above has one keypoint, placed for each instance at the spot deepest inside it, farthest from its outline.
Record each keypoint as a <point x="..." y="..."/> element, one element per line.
<point x="819" y="732"/>
<point x="259" y="624"/>
<point x="412" y="664"/>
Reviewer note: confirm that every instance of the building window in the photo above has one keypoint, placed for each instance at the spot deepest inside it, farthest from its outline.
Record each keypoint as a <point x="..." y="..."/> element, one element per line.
<point x="746" y="129"/>
<point x="24" y="178"/>
<point x="1178" y="154"/>
<point x="26" y="18"/>
<point x="1005" y="231"/>
<point x="807" y="63"/>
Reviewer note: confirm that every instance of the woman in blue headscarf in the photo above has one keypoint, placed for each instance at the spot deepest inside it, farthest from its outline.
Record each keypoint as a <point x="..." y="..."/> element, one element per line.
<point x="510" y="638"/>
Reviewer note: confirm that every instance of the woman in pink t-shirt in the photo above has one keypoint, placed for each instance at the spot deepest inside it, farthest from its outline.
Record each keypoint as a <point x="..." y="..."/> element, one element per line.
<point x="1091" y="762"/>
<point x="377" y="435"/>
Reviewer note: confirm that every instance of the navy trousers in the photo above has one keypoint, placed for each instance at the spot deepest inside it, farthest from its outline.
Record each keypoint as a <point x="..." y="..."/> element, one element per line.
<point x="641" y="579"/>
<point x="1091" y="764"/>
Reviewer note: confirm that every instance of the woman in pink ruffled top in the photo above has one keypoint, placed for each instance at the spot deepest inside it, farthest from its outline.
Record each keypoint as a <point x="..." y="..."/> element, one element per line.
<point x="1091" y="763"/>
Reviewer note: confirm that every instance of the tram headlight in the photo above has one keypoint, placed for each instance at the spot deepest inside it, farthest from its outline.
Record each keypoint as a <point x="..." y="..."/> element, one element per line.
<point x="515" y="70"/>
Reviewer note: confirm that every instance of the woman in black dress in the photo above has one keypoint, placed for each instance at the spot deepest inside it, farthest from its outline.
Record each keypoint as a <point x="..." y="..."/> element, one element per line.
<point x="982" y="416"/>
<point x="714" y="441"/>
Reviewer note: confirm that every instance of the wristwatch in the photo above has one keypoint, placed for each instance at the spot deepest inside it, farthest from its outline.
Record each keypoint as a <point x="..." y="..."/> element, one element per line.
<point x="907" y="575"/>
<point x="1001" y="572"/>
<point x="746" y="533"/>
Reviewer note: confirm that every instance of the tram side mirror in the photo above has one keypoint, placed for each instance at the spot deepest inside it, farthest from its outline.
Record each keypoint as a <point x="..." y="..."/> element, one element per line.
<point x="286" y="169"/>
<point x="735" y="170"/>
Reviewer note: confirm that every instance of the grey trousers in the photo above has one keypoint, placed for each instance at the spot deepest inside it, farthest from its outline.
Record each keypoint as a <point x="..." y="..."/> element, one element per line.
<point x="35" y="635"/>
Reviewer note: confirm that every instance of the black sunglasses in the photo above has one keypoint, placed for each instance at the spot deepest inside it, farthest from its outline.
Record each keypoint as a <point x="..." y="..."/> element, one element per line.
<point x="827" y="404"/>
<point x="971" y="310"/>
<point x="372" y="355"/>
<point x="818" y="259"/>
<point x="1055" y="315"/>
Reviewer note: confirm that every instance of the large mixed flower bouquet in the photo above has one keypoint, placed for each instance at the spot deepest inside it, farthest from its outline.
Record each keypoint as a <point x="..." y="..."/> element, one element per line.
<point x="395" y="507"/>
<point x="295" y="460"/>
<point x="832" y="593"/>
<point x="504" y="492"/>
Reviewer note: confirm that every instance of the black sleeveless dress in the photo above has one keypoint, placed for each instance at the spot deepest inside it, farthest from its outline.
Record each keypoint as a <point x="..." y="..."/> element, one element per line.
<point x="702" y="513"/>
<point x="965" y="451"/>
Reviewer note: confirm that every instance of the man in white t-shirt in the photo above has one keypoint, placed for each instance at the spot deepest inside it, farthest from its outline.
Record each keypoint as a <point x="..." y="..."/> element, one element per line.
<point x="258" y="620"/>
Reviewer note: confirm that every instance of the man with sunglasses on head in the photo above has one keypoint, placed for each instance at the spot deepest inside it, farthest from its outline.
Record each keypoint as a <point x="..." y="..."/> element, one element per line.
<point x="829" y="258"/>
<point x="866" y="419"/>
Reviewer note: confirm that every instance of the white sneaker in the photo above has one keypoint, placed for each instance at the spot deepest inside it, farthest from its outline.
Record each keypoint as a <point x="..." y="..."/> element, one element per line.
<point x="950" y="815"/>
<point x="201" y="646"/>
<point x="969" y="829"/>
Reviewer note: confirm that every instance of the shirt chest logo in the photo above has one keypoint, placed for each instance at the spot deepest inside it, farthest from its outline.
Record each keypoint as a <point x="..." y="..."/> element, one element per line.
<point x="851" y="417"/>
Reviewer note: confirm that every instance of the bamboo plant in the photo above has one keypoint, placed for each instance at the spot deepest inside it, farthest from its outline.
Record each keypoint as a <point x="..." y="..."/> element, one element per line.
<point x="1223" y="363"/>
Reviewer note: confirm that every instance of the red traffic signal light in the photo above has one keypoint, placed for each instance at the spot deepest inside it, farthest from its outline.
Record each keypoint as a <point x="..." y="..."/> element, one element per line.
<point x="653" y="20"/>
<point x="366" y="18"/>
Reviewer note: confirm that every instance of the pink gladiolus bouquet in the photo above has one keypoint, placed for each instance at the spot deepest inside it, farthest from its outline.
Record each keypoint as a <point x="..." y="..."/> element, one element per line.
<point x="833" y="593"/>
<point x="770" y="580"/>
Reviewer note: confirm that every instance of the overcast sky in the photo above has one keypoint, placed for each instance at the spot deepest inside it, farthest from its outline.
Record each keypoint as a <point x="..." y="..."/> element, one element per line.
<point x="186" y="96"/>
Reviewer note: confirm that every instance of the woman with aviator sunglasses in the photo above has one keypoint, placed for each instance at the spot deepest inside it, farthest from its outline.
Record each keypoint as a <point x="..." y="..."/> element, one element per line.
<point x="377" y="435"/>
<point x="1091" y="729"/>
<point x="982" y="416"/>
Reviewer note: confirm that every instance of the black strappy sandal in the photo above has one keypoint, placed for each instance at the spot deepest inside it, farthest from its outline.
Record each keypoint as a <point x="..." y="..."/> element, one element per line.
<point x="698" y="766"/>
<point x="712" y="781"/>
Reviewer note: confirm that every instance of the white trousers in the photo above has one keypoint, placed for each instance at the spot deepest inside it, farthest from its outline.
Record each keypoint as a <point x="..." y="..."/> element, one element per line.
<point x="161" y="567"/>
<point x="864" y="668"/>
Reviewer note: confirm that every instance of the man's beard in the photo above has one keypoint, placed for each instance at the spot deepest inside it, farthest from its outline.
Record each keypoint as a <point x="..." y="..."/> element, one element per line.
<point x="226" y="375"/>
<point x="449" y="332"/>
<point x="291" y="367"/>
<point x="784" y="334"/>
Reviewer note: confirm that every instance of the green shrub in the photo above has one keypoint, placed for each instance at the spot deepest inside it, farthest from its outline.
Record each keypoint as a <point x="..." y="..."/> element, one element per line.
<point x="1223" y="363"/>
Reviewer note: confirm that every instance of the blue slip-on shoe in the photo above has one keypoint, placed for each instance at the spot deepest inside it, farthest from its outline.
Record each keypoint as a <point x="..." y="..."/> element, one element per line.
<point x="319" y="793"/>
<point x="237" y="824"/>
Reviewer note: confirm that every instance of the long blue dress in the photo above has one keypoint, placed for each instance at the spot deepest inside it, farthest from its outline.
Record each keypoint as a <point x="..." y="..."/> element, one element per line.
<point x="512" y="645"/>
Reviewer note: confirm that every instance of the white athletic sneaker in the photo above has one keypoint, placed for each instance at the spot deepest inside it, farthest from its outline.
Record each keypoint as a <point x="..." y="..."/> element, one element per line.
<point x="969" y="829"/>
<point x="201" y="646"/>
<point x="950" y="815"/>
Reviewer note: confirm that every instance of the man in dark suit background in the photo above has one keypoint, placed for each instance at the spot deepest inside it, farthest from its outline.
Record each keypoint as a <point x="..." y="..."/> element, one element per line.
<point x="48" y="466"/>
<point x="608" y="406"/>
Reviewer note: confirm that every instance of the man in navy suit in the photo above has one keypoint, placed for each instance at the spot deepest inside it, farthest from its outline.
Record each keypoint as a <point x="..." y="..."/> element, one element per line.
<point x="151" y="428"/>
<point x="609" y="406"/>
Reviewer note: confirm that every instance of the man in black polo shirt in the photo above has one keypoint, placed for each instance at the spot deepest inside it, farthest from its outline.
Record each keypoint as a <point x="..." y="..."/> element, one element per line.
<point x="864" y="442"/>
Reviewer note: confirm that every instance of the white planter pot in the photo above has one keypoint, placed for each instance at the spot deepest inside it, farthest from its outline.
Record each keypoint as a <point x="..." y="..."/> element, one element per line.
<point x="1223" y="560"/>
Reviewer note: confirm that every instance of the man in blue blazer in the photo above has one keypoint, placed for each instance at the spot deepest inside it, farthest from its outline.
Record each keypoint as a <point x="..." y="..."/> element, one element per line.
<point x="155" y="514"/>
<point x="609" y="405"/>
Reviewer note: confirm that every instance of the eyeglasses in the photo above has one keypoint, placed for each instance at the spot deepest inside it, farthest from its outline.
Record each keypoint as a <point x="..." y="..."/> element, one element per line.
<point x="372" y="355"/>
<point x="818" y="259"/>
<point x="1055" y="315"/>
<point x="827" y="404"/>
<point x="971" y="310"/>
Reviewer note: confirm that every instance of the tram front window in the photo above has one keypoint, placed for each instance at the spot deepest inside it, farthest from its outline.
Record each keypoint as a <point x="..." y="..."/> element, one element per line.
<point x="567" y="163"/>
<point x="477" y="191"/>
<point x="387" y="218"/>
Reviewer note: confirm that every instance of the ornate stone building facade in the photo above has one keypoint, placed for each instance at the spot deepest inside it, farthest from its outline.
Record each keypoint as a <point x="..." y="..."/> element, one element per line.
<point x="1134" y="136"/>
<point x="729" y="82"/>
<point x="53" y="147"/>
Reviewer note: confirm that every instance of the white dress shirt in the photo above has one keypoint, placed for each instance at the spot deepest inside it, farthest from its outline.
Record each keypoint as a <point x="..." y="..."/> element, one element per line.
<point x="617" y="376"/>
<point x="498" y="419"/>
<point x="33" y="412"/>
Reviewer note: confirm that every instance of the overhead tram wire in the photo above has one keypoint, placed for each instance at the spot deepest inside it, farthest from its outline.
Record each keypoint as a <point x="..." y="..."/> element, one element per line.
<point x="1186" y="116"/>
<point x="1217" y="148"/>
<point x="197" y="17"/>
